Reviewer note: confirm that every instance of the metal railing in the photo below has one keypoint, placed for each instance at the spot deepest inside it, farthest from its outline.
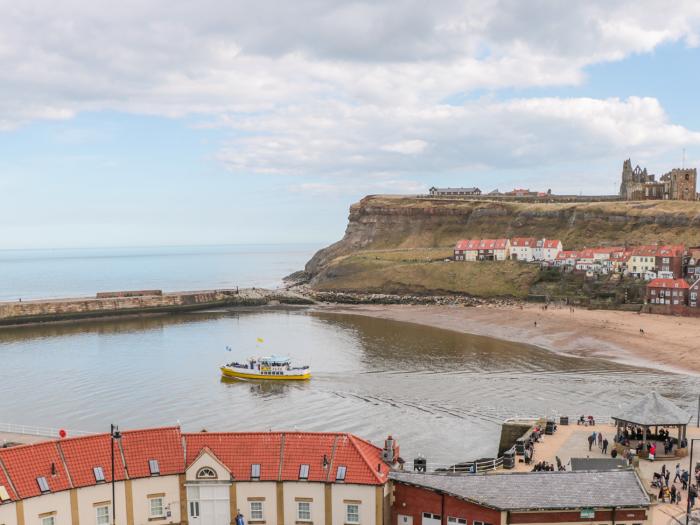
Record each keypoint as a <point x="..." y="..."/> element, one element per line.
<point x="33" y="430"/>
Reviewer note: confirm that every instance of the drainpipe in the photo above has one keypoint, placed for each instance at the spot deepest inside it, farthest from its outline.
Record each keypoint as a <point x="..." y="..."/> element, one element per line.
<point x="613" y="515"/>
<point x="443" y="518"/>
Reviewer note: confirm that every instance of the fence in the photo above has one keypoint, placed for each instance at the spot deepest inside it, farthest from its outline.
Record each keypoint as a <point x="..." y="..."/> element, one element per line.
<point x="31" y="430"/>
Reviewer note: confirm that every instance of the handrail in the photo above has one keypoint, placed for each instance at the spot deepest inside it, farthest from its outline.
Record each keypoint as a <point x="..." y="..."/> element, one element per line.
<point x="32" y="430"/>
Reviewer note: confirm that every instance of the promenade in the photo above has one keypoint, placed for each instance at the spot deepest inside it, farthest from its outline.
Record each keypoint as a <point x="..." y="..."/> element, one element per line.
<point x="571" y="441"/>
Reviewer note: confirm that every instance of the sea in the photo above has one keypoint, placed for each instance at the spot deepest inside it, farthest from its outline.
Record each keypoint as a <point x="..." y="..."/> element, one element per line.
<point x="442" y="395"/>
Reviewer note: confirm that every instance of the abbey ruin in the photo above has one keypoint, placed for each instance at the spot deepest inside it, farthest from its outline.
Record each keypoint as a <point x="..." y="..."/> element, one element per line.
<point x="677" y="184"/>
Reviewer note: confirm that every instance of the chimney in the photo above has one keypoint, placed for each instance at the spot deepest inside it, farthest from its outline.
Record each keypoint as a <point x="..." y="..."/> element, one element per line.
<point x="53" y="469"/>
<point x="390" y="452"/>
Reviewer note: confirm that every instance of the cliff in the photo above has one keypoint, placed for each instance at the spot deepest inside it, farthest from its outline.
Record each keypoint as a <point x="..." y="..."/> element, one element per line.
<point x="394" y="243"/>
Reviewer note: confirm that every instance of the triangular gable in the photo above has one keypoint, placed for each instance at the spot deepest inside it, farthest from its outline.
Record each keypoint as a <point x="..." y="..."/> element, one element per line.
<point x="206" y="458"/>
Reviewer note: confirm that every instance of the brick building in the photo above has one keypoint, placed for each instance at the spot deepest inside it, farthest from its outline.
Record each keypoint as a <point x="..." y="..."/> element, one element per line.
<point x="667" y="291"/>
<point x="612" y="497"/>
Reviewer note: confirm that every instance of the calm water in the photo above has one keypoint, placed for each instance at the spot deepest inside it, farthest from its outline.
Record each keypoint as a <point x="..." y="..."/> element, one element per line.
<point x="36" y="274"/>
<point x="442" y="394"/>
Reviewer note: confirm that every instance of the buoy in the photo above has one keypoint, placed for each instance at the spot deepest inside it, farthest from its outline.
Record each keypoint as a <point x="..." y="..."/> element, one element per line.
<point x="62" y="433"/>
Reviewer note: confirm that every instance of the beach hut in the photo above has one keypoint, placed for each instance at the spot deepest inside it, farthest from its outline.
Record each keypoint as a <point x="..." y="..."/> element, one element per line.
<point x="651" y="412"/>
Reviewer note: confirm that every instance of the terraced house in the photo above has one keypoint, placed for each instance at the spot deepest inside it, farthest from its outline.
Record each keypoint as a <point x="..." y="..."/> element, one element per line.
<point x="163" y="476"/>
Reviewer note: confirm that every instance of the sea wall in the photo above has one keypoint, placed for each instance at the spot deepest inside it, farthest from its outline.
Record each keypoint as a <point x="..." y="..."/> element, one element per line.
<point x="24" y="312"/>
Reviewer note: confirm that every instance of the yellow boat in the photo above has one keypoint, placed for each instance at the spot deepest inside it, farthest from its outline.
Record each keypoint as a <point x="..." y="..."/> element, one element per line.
<point x="268" y="368"/>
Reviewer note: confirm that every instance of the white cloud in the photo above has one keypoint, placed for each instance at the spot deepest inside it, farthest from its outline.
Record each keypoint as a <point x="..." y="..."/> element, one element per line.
<point x="339" y="88"/>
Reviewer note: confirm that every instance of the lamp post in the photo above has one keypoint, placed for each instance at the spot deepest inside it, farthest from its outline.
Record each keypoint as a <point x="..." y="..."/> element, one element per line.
<point x="114" y="434"/>
<point x="691" y="471"/>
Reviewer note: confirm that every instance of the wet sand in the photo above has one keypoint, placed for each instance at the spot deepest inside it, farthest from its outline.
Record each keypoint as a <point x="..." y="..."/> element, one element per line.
<point x="668" y="342"/>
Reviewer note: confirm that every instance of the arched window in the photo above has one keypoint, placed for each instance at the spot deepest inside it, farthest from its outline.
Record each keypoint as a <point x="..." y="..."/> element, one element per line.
<point x="206" y="473"/>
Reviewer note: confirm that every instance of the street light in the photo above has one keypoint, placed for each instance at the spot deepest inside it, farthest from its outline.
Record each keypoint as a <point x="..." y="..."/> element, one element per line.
<point x="691" y="471"/>
<point x="115" y="434"/>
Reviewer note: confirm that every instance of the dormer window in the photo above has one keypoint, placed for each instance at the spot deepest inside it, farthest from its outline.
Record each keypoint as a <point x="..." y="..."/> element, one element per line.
<point x="154" y="467"/>
<point x="255" y="471"/>
<point x="4" y="495"/>
<point x="304" y="472"/>
<point x="340" y="473"/>
<point x="43" y="484"/>
<point x="206" y="473"/>
<point x="99" y="474"/>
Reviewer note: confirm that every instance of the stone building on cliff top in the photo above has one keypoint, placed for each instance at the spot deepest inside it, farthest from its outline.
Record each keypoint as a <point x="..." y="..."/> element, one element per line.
<point x="677" y="184"/>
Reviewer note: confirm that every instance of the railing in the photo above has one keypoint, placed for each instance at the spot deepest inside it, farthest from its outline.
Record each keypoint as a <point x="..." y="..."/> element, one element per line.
<point x="31" y="430"/>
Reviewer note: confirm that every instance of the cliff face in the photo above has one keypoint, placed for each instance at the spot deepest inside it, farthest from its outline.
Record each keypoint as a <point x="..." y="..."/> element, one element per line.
<point x="386" y="223"/>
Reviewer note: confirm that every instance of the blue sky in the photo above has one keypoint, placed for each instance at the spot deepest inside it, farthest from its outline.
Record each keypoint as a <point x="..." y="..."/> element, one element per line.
<point x="148" y="125"/>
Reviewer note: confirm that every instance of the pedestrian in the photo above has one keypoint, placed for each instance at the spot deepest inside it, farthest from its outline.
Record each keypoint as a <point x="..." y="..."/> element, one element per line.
<point x="692" y="494"/>
<point x="673" y="494"/>
<point x="677" y="477"/>
<point x="667" y="476"/>
<point x="600" y="440"/>
<point x="652" y="452"/>
<point x="661" y="493"/>
<point x="591" y="439"/>
<point x="535" y="324"/>
<point x="605" y="446"/>
<point x="685" y="477"/>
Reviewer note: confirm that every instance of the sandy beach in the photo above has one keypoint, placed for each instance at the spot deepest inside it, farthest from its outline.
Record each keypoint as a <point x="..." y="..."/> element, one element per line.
<point x="667" y="342"/>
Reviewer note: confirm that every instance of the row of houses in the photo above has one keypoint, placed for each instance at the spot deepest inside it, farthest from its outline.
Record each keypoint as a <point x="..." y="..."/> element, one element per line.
<point x="518" y="248"/>
<point x="164" y="476"/>
<point x="646" y="262"/>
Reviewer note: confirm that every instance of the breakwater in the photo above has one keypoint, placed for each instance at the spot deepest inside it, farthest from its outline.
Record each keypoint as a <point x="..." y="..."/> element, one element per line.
<point x="127" y="303"/>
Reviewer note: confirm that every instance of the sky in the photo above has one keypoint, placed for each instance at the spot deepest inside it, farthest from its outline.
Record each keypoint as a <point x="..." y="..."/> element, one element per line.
<point x="181" y="123"/>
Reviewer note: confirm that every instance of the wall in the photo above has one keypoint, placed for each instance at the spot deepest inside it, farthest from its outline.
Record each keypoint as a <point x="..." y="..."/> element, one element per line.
<point x="61" y="309"/>
<point x="622" y="517"/>
<point x="58" y="503"/>
<point x="8" y="514"/>
<point x="258" y="489"/>
<point x="88" y="496"/>
<point x="314" y="491"/>
<point x="413" y="501"/>
<point x="142" y="487"/>
<point x="365" y="494"/>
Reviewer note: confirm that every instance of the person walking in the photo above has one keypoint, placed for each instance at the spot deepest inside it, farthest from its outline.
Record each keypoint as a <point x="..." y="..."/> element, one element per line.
<point x="600" y="440"/>
<point x="667" y="475"/>
<point x="692" y="494"/>
<point x="685" y="477"/>
<point x="652" y="452"/>
<point x="605" y="446"/>
<point x="591" y="439"/>
<point x="677" y="477"/>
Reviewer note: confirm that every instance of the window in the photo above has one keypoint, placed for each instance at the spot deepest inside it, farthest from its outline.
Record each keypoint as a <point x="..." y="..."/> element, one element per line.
<point x="156" y="507"/>
<point x="304" y="472"/>
<point x="99" y="474"/>
<point x="255" y="471"/>
<point x="4" y="495"/>
<point x="303" y="511"/>
<point x="48" y="520"/>
<point x="460" y="521"/>
<point x="154" y="467"/>
<point x="194" y="509"/>
<point x="206" y="473"/>
<point x="43" y="484"/>
<point x="481" y="523"/>
<point x="102" y="515"/>
<point x="352" y="513"/>
<point x="256" y="511"/>
<point x="340" y="473"/>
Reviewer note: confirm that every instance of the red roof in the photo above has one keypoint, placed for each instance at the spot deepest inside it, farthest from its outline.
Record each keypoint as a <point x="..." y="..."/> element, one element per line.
<point x="551" y="243"/>
<point x="5" y="483"/>
<point x="493" y="244"/>
<point x="161" y="444"/>
<point x="280" y="454"/>
<point x="668" y="283"/>
<point x="83" y="454"/>
<point x="25" y="463"/>
<point x="567" y="254"/>
<point x="670" y="250"/>
<point x="523" y="241"/>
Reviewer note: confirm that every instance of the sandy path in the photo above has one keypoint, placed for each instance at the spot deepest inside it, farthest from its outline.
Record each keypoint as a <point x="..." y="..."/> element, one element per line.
<point x="668" y="342"/>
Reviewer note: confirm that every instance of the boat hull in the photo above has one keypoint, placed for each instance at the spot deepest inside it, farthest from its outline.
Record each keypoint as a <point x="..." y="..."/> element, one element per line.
<point x="248" y="374"/>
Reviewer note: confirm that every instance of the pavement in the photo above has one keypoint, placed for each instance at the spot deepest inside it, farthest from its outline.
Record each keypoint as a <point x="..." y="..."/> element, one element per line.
<point x="9" y="437"/>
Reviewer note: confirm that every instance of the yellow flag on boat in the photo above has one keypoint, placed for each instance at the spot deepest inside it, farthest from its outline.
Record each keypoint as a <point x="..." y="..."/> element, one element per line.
<point x="260" y="340"/>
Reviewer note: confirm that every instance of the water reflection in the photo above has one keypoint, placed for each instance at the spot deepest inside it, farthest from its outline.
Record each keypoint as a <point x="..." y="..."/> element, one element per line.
<point x="443" y="394"/>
